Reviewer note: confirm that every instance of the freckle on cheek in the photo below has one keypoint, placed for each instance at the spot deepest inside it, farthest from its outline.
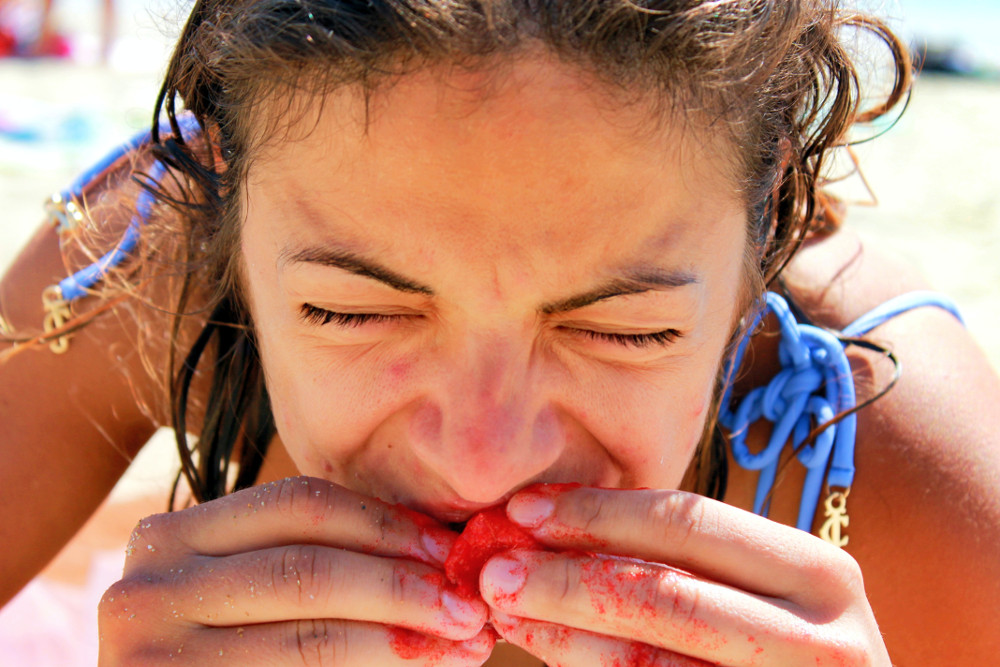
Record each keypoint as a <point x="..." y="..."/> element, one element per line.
<point x="698" y="408"/>
<point x="399" y="372"/>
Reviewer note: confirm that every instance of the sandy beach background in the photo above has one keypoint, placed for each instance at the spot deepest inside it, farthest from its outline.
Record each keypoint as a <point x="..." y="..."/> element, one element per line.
<point x="936" y="177"/>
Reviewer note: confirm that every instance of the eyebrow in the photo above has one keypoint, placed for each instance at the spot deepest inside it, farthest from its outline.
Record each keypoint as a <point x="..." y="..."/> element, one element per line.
<point x="353" y="263"/>
<point x="635" y="282"/>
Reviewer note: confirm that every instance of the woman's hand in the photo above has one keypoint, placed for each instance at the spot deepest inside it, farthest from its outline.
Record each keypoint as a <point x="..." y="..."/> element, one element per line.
<point x="298" y="572"/>
<point x="750" y="591"/>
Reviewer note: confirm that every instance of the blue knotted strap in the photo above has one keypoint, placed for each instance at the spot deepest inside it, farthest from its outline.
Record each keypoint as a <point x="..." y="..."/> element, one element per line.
<point x="76" y="286"/>
<point x="814" y="385"/>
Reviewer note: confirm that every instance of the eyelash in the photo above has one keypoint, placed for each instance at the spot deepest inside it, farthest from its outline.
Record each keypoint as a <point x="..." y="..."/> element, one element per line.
<point x="661" y="338"/>
<point x="320" y="316"/>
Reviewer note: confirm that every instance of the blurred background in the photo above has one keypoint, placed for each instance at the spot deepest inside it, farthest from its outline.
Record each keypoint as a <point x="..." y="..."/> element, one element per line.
<point x="75" y="85"/>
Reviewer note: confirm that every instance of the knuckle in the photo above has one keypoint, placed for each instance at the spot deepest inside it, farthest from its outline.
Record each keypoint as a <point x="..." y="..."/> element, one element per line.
<point x="834" y="570"/>
<point x="677" y="517"/>
<point x="852" y="653"/>
<point x="849" y="570"/>
<point x="152" y="535"/>
<point x="380" y="528"/>
<point x="566" y="583"/>
<point x="398" y="575"/>
<point x="113" y="602"/>
<point x="303" y="498"/>
<point x="589" y="510"/>
<point x="318" y="642"/>
<point x="130" y="605"/>
<point x="296" y="570"/>
<point x="561" y="582"/>
<point x="827" y="647"/>
<point x="833" y="639"/>
<point x="678" y="604"/>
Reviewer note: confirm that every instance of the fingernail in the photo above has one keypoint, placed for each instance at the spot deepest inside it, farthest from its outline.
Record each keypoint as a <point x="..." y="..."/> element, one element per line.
<point x="461" y="610"/>
<point x="504" y="576"/>
<point x="500" y="618"/>
<point x="435" y="547"/>
<point x="530" y="510"/>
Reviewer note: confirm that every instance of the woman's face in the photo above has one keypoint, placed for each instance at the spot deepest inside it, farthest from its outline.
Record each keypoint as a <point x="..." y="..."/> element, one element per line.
<point x="477" y="282"/>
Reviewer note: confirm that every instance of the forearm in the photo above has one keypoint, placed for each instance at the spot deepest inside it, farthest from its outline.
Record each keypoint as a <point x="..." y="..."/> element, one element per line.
<point x="69" y="424"/>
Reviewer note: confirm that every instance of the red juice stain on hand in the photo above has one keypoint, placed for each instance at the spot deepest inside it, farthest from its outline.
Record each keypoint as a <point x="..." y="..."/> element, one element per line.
<point x="486" y="534"/>
<point x="411" y="645"/>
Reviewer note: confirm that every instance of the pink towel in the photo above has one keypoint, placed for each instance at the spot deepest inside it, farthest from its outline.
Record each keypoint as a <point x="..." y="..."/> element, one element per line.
<point x="53" y="624"/>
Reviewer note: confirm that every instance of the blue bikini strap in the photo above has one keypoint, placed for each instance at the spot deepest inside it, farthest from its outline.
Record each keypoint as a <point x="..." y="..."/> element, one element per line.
<point x="76" y="286"/>
<point x="67" y="208"/>
<point x="814" y="385"/>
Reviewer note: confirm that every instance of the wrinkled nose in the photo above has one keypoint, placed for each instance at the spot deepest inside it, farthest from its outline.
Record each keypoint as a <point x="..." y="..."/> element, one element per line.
<point x="488" y="426"/>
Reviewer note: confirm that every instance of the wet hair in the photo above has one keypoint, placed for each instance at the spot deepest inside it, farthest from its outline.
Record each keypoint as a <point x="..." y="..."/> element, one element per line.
<point x="774" y="74"/>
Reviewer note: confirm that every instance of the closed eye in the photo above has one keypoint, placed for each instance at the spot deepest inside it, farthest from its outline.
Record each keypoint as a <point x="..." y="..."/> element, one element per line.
<point x="320" y="316"/>
<point x="661" y="338"/>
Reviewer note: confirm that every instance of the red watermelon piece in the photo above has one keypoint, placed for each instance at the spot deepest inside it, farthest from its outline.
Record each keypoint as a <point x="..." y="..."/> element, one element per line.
<point x="486" y="534"/>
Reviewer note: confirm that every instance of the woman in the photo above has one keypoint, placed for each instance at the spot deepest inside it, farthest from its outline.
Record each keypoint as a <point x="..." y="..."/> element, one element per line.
<point x="425" y="255"/>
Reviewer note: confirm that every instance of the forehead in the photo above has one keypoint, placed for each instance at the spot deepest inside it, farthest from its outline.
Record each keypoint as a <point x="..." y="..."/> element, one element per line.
<point x="533" y="104"/>
<point x="531" y="152"/>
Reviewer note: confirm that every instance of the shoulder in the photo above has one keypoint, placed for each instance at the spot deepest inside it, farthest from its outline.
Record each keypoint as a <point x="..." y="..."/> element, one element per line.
<point x="72" y="422"/>
<point x="925" y="507"/>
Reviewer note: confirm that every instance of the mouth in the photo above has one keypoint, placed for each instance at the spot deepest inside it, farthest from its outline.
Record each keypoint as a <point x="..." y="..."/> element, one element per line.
<point x="453" y="513"/>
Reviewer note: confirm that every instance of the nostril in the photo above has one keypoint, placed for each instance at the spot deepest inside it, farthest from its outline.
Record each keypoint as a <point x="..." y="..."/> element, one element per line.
<point x="482" y="450"/>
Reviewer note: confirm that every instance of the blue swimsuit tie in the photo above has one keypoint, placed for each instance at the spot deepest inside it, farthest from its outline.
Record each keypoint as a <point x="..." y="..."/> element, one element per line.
<point x="76" y="286"/>
<point x="814" y="385"/>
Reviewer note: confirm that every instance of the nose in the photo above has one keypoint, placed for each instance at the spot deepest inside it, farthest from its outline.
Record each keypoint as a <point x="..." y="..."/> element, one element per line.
<point x="488" y="425"/>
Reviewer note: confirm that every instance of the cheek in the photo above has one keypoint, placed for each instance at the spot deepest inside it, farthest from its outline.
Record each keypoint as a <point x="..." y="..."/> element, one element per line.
<point x="329" y="403"/>
<point x="397" y="374"/>
<point x="650" y="425"/>
<point x="688" y="425"/>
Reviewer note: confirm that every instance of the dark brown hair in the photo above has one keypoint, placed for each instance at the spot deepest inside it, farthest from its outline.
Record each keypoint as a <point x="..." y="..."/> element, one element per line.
<point x="772" y="73"/>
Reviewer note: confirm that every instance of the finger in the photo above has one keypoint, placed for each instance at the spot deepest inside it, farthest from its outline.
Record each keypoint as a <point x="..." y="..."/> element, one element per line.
<point x="298" y="510"/>
<point x="718" y="541"/>
<point x="647" y="602"/>
<point x="562" y="646"/>
<point x="307" y="643"/>
<point x="310" y="581"/>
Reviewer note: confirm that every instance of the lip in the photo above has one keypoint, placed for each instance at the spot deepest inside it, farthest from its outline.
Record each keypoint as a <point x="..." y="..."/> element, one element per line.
<point x="450" y="509"/>
<point x="453" y="511"/>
